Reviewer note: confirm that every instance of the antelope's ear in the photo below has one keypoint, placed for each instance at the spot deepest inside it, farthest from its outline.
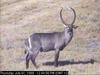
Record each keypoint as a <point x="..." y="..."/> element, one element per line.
<point x="75" y="27"/>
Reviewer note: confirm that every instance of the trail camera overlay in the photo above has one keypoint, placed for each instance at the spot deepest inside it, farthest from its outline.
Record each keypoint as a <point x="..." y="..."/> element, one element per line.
<point x="50" y="35"/>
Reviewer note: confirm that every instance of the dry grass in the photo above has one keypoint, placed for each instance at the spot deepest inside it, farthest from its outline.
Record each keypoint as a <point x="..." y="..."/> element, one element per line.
<point x="20" y="18"/>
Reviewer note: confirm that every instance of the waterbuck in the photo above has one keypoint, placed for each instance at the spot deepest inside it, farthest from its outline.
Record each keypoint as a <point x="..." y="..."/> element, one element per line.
<point x="44" y="42"/>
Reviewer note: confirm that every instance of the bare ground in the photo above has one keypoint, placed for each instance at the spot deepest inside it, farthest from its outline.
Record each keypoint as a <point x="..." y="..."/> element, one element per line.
<point x="21" y="18"/>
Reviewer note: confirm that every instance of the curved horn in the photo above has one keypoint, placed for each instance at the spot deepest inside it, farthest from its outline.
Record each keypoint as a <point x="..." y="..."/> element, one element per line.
<point x="63" y="19"/>
<point x="74" y="16"/>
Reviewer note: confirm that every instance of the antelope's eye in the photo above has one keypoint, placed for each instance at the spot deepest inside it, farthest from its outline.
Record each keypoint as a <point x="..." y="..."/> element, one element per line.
<point x="70" y="30"/>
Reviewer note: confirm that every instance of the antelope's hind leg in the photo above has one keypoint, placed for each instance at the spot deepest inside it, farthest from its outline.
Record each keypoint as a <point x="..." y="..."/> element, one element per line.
<point x="33" y="57"/>
<point x="28" y="57"/>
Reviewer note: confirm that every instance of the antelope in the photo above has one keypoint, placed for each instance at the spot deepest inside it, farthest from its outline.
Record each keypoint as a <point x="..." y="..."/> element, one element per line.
<point x="44" y="42"/>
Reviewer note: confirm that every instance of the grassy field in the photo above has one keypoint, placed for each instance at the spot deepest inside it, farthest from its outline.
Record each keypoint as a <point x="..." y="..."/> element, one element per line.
<point x="21" y="18"/>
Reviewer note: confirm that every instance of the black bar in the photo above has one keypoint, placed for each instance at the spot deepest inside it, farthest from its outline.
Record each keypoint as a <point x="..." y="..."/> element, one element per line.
<point x="33" y="72"/>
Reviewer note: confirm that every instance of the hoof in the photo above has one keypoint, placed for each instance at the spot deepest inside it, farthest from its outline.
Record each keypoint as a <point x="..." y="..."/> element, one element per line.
<point x="56" y="65"/>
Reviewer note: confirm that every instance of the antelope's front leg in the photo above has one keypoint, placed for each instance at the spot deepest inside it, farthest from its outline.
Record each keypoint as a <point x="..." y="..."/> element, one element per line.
<point x="56" y="58"/>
